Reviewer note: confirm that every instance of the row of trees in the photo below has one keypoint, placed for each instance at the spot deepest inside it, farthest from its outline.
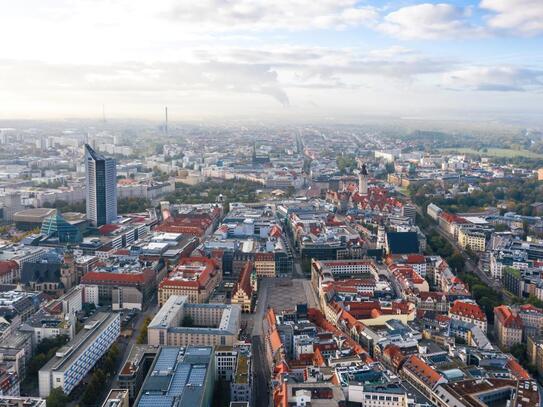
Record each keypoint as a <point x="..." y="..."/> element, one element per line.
<point x="142" y="336"/>
<point x="124" y="205"/>
<point x="231" y="190"/>
<point x="99" y="377"/>
<point x="45" y="350"/>
<point x="518" y="196"/>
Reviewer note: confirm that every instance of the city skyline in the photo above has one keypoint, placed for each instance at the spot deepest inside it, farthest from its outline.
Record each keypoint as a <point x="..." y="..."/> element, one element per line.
<point x="327" y="59"/>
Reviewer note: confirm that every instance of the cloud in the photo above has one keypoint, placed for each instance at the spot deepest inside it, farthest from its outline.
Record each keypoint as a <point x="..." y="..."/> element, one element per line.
<point x="213" y="76"/>
<point x="429" y="21"/>
<point x="294" y="15"/>
<point x="523" y="17"/>
<point x="496" y="79"/>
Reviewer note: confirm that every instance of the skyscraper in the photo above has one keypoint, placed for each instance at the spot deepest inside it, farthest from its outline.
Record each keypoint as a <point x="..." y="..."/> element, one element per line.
<point x="101" y="174"/>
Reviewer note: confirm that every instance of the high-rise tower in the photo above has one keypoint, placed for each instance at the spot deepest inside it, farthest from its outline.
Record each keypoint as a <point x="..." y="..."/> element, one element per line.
<point x="101" y="186"/>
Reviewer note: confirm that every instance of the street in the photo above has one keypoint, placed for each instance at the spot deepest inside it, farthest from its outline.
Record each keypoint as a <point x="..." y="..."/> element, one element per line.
<point x="261" y="385"/>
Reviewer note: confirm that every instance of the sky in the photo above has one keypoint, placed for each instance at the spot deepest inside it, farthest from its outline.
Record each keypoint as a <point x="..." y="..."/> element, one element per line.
<point x="282" y="58"/>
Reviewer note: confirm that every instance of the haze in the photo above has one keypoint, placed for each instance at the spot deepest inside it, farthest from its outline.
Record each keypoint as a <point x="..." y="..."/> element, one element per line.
<point x="303" y="58"/>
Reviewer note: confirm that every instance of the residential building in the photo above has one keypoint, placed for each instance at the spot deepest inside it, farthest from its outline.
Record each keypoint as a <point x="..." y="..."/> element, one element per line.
<point x="508" y="326"/>
<point x="470" y="312"/>
<point x="472" y="239"/>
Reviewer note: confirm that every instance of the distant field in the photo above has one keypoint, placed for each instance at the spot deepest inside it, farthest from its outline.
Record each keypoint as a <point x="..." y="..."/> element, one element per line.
<point x="495" y="152"/>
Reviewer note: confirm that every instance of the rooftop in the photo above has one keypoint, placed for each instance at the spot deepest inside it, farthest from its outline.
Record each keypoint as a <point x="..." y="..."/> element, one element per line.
<point x="178" y="377"/>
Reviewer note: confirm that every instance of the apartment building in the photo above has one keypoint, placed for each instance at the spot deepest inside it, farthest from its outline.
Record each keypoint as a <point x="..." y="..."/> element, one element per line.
<point x="508" y="326"/>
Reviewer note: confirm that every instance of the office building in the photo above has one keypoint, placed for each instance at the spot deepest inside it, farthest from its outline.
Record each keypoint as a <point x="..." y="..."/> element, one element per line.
<point x="135" y="369"/>
<point x="101" y="184"/>
<point x="73" y="361"/>
<point x="179" y="377"/>
<point x="195" y="277"/>
<point x="179" y="323"/>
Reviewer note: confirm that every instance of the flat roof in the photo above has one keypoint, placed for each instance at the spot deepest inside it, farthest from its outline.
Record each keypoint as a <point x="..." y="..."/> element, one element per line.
<point x="177" y="377"/>
<point x="73" y="349"/>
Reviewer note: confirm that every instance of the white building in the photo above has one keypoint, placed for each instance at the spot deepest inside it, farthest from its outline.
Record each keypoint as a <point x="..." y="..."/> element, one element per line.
<point x="73" y="361"/>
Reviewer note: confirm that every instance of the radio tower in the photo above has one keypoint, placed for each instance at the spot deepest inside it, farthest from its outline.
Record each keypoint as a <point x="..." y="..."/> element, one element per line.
<point x="166" y="123"/>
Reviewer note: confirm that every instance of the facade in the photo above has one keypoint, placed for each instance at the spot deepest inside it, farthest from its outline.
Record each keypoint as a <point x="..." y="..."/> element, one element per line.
<point x="508" y="325"/>
<point x="73" y="361"/>
<point x="121" y="290"/>
<point x="101" y="187"/>
<point x="9" y="271"/>
<point x="476" y="241"/>
<point x="210" y="324"/>
<point x="242" y="294"/>
<point x="225" y="362"/>
<point x="180" y="377"/>
<point x="378" y="395"/>
<point x="56" y="227"/>
<point x="265" y="264"/>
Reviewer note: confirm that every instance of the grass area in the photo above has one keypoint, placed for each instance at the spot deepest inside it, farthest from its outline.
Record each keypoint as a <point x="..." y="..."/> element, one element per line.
<point x="494" y="152"/>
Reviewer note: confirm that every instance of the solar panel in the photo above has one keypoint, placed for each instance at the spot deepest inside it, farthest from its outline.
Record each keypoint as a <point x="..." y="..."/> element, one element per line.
<point x="167" y="359"/>
<point x="155" y="401"/>
<point x="179" y="380"/>
<point x="197" y="375"/>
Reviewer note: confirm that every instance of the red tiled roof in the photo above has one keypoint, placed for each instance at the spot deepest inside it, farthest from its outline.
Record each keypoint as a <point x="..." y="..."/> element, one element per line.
<point x="244" y="282"/>
<point x="422" y="371"/>
<point x="452" y="218"/>
<point x="107" y="229"/>
<point x="468" y="310"/>
<point x="507" y="318"/>
<point x="416" y="259"/>
<point x="100" y="277"/>
<point x="518" y="371"/>
<point x="8" y="266"/>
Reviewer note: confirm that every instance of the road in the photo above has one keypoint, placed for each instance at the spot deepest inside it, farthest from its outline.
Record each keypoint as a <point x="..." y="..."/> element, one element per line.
<point x="261" y="386"/>
<point x="150" y="312"/>
<point x="471" y="266"/>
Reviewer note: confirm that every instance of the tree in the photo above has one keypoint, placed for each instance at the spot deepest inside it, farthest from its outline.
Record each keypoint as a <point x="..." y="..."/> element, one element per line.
<point x="187" y="321"/>
<point x="142" y="337"/>
<point x="519" y="352"/>
<point x="57" y="398"/>
<point x="456" y="262"/>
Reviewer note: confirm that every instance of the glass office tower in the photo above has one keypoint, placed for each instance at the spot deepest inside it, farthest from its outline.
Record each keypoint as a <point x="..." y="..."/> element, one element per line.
<point x="101" y="174"/>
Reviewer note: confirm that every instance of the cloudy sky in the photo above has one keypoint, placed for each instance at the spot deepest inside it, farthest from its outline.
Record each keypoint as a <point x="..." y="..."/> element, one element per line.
<point x="251" y="58"/>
